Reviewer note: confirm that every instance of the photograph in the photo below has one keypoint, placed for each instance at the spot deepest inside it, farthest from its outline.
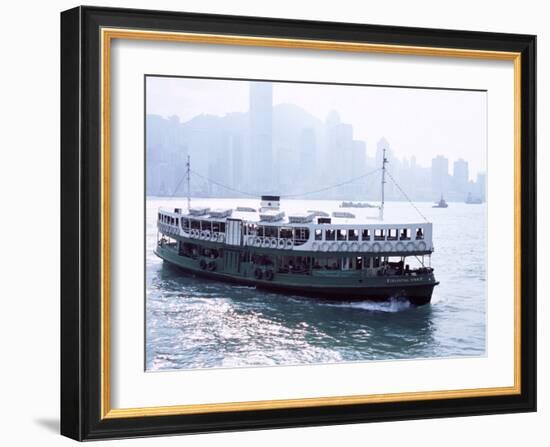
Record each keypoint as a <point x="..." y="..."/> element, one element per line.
<point x="296" y="223"/>
<point x="270" y="222"/>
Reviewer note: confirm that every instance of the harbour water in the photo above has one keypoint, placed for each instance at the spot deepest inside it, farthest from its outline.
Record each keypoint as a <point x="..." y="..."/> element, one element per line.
<point x="198" y="323"/>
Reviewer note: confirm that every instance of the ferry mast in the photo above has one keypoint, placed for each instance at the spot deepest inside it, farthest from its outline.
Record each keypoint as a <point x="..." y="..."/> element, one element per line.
<point x="384" y="161"/>
<point x="188" y="172"/>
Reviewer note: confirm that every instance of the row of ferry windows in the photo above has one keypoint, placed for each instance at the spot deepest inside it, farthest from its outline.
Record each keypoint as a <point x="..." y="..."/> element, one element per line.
<point x="300" y="234"/>
<point x="169" y="219"/>
<point x="366" y="234"/>
<point x="390" y="234"/>
<point x="186" y="224"/>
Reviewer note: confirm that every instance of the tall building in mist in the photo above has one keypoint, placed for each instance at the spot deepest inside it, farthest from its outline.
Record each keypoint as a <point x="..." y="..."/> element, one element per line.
<point x="481" y="188"/>
<point x="440" y="176"/>
<point x="308" y="161"/>
<point x="340" y="149"/>
<point x="260" y="153"/>
<point x="461" y="177"/>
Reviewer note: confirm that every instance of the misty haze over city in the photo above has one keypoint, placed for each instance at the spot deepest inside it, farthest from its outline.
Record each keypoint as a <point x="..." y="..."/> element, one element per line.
<point x="294" y="138"/>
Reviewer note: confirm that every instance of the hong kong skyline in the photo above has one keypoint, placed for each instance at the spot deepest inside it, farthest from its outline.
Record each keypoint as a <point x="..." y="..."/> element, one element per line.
<point x="276" y="146"/>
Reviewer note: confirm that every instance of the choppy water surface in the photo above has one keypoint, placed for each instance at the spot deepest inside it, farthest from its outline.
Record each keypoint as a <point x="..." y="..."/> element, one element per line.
<point x="197" y="323"/>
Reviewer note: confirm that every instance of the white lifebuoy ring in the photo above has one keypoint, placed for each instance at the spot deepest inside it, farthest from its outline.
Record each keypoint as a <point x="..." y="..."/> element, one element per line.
<point x="388" y="246"/>
<point x="344" y="246"/>
<point x="207" y="234"/>
<point x="289" y="243"/>
<point x="422" y="245"/>
<point x="365" y="246"/>
<point x="265" y="242"/>
<point x="334" y="246"/>
<point x="281" y="243"/>
<point x="410" y="246"/>
<point x="315" y="246"/>
<point x="214" y="237"/>
<point x="258" y="242"/>
<point x="324" y="246"/>
<point x="221" y="237"/>
<point x="273" y="242"/>
<point x="354" y="246"/>
<point x="376" y="247"/>
<point x="400" y="246"/>
<point x="201" y="235"/>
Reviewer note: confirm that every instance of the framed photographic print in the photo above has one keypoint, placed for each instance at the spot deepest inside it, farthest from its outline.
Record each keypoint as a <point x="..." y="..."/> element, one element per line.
<point x="276" y="223"/>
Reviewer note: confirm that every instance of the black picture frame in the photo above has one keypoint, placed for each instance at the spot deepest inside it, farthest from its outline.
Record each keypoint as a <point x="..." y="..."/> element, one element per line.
<point x="81" y="208"/>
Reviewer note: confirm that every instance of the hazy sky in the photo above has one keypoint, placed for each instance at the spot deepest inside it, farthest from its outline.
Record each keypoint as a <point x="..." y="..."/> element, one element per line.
<point x="417" y="122"/>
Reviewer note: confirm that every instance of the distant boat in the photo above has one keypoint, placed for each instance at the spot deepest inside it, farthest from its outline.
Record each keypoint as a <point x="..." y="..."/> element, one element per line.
<point x="471" y="200"/>
<point x="441" y="203"/>
<point x="357" y="205"/>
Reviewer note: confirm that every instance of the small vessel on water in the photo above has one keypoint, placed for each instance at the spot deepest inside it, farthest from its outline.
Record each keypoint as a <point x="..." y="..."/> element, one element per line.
<point x="349" y="204"/>
<point x="334" y="256"/>
<point x="471" y="200"/>
<point x="441" y="203"/>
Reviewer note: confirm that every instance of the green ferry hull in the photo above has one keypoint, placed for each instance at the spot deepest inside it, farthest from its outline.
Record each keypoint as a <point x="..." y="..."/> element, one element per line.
<point x="334" y="286"/>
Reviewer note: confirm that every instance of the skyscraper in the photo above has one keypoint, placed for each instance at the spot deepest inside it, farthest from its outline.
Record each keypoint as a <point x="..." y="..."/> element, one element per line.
<point x="307" y="162"/>
<point x="338" y="147"/>
<point x="260" y="153"/>
<point x="481" y="186"/>
<point x="460" y="177"/>
<point x="440" y="176"/>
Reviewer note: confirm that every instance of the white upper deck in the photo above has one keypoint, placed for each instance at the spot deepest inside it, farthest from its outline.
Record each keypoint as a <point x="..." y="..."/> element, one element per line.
<point x="270" y="226"/>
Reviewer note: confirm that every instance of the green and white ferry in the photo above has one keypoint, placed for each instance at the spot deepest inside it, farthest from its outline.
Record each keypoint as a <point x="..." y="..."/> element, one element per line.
<point x="315" y="253"/>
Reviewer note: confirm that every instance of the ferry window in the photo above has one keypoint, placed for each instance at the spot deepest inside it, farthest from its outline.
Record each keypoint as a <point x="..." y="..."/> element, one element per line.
<point x="330" y="235"/>
<point x="392" y="234"/>
<point x="419" y="234"/>
<point x="365" y="235"/>
<point x="177" y="221"/>
<point x="271" y="231"/>
<point x="206" y="225"/>
<point x="215" y="227"/>
<point x="302" y="234"/>
<point x="195" y="225"/>
<point x="342" y="235"/>
<point x="159" y="216"/>
<point x="318" y="235"/>
<point x="222" y="227"/>
<point x="379" y="235"/>
<point x="353" y="235"/>
<point x="285" y="233"/>
<point x="405" y="234"/>
<point x="171" y="221"/>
